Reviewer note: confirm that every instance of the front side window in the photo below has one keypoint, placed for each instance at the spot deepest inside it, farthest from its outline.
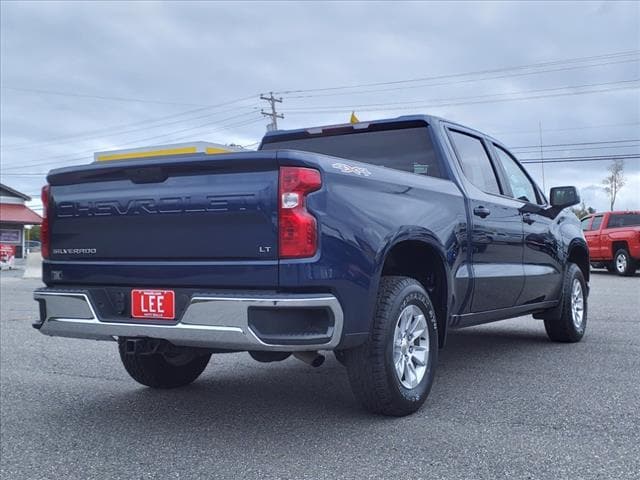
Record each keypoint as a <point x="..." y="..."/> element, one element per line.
<point x="596" y="222"/>
<point x="475" y="162"/>
<point x="584" y="223"/>
<point x="521" y="186"/>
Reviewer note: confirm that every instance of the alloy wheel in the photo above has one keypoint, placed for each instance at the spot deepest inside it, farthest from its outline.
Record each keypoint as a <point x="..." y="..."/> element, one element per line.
<point x="621" y="263"/>
<point x="577" y="304"/>
<point x="411" y="346"/>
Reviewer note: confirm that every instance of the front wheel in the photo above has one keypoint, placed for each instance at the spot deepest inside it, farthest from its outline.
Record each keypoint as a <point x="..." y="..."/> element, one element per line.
<point x="568" y="321"/>
<point x="623" y="263"/>
<point x="393" y="371"/>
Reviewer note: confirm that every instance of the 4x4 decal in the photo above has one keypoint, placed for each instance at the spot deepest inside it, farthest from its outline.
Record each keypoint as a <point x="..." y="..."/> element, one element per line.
<point x="344" y="168"/>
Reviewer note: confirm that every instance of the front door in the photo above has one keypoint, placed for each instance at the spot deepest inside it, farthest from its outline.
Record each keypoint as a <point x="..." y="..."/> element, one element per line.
<point x="542" y="245"/>
<point x="593" y="238"/>
<point x="542" y="263"/>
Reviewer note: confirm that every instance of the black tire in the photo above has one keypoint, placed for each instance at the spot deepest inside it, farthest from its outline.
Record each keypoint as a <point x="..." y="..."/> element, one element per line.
<point x="156" y="371"/>
<point x="623" y="263"/>
<point x="559" y="322"/>
<point x="370" y="367"/>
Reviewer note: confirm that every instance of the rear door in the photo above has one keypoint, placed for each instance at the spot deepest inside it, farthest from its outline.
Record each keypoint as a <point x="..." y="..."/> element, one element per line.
<point x="496" y="226"/>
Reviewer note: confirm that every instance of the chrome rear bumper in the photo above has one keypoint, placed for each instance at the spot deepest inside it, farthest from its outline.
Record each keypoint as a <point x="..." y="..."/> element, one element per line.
<point x="209" y="321"/>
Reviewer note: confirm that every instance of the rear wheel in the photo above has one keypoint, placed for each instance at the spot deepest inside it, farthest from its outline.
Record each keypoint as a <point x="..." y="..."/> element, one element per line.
<point x="623" y="263"/>
<point x="157" y="370"/>
<point x="393" y="371"/>
<point x="568" y="321"/>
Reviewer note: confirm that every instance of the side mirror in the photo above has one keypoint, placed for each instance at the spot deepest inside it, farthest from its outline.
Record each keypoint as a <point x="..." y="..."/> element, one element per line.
<point x="563" y="197"/>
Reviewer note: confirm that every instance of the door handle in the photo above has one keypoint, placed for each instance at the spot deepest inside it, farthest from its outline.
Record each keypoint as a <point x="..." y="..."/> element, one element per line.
<point x="481" y="211"/>
<point x="528" y="219"/>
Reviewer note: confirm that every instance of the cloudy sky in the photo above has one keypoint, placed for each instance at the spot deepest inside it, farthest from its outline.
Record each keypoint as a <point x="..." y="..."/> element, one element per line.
<point x="83" y="77"/>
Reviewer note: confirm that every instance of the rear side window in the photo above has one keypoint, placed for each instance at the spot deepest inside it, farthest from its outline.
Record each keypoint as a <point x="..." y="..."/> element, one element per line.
<point x="617" y="220"/>
<point x="521" y="187"/>
<point x="407" y="149"/>
<point x="596" y="222"/>
<point x="584" y="223"/>
<point x="475" y="162"/>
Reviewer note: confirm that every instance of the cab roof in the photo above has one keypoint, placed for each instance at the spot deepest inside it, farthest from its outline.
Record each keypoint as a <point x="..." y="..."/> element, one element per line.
<point x="380" y="124"/>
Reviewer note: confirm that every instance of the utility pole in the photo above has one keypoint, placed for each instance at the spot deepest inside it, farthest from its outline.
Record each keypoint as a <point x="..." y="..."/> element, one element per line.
<point x="544" y="187"/>
<point x="273" y="114"/>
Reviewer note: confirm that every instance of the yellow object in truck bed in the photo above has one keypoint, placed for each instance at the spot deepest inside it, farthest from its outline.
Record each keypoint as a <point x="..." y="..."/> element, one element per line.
<point x="164" y="151"/>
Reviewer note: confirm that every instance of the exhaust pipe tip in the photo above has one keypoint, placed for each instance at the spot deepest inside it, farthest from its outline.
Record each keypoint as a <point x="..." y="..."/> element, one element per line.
<point x="314" y="359"/>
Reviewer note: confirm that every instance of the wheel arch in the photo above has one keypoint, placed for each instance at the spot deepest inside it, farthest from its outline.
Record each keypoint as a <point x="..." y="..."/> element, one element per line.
<point x="617" y="245"/>
<point x="419" y="255"/>
<point x="578" y="253"/>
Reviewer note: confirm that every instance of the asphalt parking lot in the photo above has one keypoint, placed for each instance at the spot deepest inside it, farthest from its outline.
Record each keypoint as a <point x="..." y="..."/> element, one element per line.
<point x="506" y="403"/>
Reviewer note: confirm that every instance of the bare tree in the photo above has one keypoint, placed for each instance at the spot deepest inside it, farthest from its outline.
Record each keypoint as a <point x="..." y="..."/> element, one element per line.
<point x="614" y="181"/>
<point x="582" y="211"/>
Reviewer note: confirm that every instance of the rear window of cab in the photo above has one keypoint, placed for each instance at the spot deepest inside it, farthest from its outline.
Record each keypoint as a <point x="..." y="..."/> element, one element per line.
<point x="617" y="220"/>
<point x="407" y="149"/>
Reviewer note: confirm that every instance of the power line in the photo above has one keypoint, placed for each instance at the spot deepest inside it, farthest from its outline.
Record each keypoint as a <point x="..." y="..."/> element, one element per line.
<point x="454" y="75"/>
<point x="466" y="80"/>
<point x="66" y="157"/>
<point x="478" y="102"/>
<point x="571" y="161"/>
<point x="117" y="131"/>
<point x="225" y="127"/>
<point x="367" y="106"/>
<point x="580" y="159"/>
<point x="579" y="143"/>
<point x="152" y="127"/>
<point x="104" y="97"/>
<point x="139" y="140"/>
<point x="58" y="163"/>
<point x="577" y="149"/>
<point x="605" y="125"/>
<point x="17" y="146"/>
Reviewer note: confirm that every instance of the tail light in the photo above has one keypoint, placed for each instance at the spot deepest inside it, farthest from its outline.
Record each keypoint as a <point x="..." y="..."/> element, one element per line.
<point x="44" y="228"/>
<point x="298" y="229"/>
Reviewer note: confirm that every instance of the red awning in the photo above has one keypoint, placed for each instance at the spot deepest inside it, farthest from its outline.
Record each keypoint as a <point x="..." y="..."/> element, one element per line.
<point x="15" y="213"/>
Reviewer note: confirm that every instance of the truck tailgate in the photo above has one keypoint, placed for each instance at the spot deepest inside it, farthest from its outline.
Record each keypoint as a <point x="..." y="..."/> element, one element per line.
<point x="202" y="209"/>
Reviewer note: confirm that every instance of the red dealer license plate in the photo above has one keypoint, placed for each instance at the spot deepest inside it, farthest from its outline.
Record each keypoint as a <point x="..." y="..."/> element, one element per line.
<point x="158" y="304"/>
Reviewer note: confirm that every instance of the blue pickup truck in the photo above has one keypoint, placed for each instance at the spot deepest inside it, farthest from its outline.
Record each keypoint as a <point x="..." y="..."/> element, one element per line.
<point x="371" y="240"/>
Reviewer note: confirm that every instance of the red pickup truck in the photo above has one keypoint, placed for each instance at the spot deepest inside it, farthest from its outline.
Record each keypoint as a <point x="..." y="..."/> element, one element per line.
<point x="614" y="240"/>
